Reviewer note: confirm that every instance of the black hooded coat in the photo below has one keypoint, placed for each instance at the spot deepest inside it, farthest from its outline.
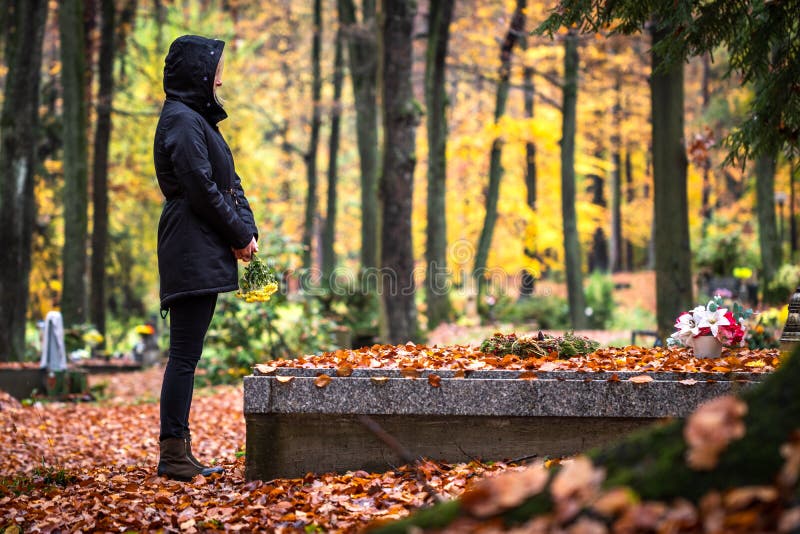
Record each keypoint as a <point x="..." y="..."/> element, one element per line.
<point x="205" y="213"/>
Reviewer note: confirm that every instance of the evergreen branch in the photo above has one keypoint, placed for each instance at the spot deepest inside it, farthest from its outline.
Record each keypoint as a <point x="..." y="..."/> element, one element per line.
<point x="761" y="38"/>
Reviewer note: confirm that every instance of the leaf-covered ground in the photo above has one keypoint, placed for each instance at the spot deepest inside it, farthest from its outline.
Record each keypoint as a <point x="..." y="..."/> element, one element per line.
<point x="91" y="467"/>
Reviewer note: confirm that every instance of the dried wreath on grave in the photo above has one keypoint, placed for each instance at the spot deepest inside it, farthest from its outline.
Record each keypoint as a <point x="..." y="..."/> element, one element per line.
<point x="539" y="345"/>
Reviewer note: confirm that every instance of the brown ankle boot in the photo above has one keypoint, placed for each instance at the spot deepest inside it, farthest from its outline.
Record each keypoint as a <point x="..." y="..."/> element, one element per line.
<point x="187" y="436"/>
<point x="175" y="464"/>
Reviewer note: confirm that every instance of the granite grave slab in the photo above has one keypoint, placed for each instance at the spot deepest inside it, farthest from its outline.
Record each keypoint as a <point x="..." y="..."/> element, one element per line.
<point x="294" y="426"/>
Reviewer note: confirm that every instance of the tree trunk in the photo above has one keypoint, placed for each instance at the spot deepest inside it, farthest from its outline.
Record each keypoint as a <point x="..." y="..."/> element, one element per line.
<point x="160" y="15"/>
<point x="516" y="29"/>
<point x="706" y="191"/>
<point x="313" y="143"/>
<point x="646" y="193"/>
<point x="629" y="197"/>
<point x="19" y="137"/>
<point x="329" y="232"/>
<point x="401" y="116"/>
<point x="102" y="136"/>
<point x="5" y="22"/>
<point x="572" y="246"/>
<point x="768" y="240"/>
<point x="363" y="64"/>
<point x="652" y="464"/>
<point x="127" y="18"/>
<point x="528" y="92"/>
<point x="616" y="180"/>
<point x="89" y="45"/>
<point x="73" y="302"/>
<point x="671" y="214"/>
<point x="792" y="209"/>
<point x="436" y="279"/>
<point x="598" y="257"/>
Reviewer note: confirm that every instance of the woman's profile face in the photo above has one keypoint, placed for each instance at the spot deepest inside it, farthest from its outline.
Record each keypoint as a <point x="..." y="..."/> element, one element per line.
<point x="218" y="75"/>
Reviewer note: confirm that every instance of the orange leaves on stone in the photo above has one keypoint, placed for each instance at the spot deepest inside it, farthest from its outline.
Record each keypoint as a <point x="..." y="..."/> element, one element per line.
<point x="379" y="379"/>
<point x="322" y="380"/>
<point x="495" y="494"/>
<point x="548" y="366"/>
<point x="710" y="429"/>
<point x="688" y="382"/>
<point x="460" y="358"/>
<point x="264" y="369"/>
<point x="434" y="380"/>
<point x="344" y="370"/>
<point x="527" y="375"/>
<point x="640" y="379"/>
<point x="409" y="372"/>
<point x="476" y="365"/>
<point x="284" y="379"/>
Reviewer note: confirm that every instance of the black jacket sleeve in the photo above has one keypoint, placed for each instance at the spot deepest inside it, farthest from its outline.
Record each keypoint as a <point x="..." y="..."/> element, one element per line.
<point x="243" y="207"/>
<point x="186" y="144"/>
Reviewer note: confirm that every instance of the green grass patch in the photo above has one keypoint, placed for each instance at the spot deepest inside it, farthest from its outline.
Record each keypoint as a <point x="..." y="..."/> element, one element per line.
<point x="42" y="477"/>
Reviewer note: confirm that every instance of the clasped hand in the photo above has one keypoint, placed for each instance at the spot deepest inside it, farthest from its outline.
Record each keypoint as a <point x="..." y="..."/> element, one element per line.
<point x="246" y="253"/>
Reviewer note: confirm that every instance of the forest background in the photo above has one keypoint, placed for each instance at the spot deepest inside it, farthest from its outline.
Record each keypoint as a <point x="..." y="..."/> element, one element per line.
<point x="299" y="130"/>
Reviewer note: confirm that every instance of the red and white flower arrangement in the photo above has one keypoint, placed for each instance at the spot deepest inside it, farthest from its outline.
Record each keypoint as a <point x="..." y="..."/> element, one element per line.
<point x="726" y="325"/>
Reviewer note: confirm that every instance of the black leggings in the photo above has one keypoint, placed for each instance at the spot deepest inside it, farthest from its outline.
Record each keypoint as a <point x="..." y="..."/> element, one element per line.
<point x="187" y="330"/>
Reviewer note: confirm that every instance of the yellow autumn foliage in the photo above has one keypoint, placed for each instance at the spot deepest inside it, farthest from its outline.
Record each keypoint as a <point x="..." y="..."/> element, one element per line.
<point x="267" y="93"/>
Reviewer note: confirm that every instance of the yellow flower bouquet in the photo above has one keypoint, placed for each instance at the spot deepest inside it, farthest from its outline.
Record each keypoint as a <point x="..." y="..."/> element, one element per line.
<point x="258" y="282"/>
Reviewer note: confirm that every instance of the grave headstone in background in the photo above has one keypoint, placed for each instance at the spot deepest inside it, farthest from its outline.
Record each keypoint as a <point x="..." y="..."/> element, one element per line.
<point x="59" y="380"/>
<point x="54" y="354"/>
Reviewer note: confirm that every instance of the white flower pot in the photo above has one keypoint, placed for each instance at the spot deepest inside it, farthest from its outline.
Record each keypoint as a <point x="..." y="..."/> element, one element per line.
<point x="706" y="347"/>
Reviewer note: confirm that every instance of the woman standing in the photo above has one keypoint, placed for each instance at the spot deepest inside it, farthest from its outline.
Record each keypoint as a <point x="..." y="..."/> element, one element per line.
<point x="206" y="224"/>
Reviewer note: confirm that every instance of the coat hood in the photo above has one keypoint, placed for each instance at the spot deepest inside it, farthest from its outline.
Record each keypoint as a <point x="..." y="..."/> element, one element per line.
<point x="189" y="71"/>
